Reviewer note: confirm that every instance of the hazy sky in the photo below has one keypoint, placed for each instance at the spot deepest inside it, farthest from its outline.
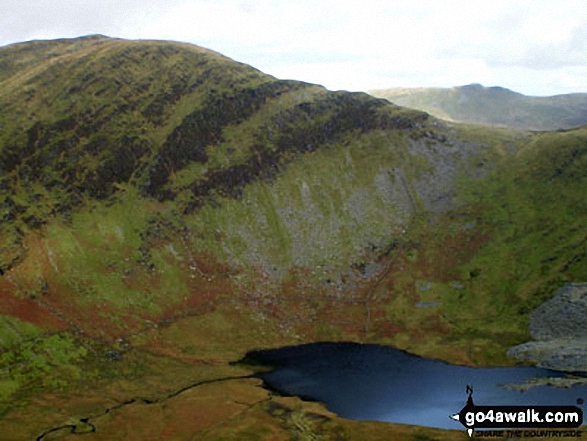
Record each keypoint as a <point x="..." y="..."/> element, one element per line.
<point x="532" y="46"/>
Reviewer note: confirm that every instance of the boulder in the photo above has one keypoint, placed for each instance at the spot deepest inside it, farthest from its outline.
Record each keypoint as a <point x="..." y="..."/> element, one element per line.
<point x="559" y="327"/>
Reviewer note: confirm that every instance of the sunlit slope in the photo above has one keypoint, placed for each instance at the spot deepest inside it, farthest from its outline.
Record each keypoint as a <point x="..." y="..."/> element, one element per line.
<point x="166" y="209"/>
<point x="494" y="106"/>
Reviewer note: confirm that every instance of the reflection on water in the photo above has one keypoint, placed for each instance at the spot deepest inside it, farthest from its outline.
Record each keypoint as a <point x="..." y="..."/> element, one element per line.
<point x="369" y="382"/>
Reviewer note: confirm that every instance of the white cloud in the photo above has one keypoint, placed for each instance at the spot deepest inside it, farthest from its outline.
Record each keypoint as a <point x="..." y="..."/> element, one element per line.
<point x="22" y="20"/>
<point x="347" y="44"/>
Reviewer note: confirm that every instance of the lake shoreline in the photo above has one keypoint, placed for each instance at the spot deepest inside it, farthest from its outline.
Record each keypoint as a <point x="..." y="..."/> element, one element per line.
<point x="376" y="383"/>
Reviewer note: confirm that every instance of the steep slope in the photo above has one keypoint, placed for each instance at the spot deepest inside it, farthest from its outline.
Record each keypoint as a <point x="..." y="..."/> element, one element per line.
<point x="494" y="106"/>
<point x="166" y="209"/>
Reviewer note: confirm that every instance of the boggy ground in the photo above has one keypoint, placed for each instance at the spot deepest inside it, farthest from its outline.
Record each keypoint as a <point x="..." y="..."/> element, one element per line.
<point x="176" y="381"/>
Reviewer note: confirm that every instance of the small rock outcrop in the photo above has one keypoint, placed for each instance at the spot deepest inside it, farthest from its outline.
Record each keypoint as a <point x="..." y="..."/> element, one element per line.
<point x="560" y="329"/>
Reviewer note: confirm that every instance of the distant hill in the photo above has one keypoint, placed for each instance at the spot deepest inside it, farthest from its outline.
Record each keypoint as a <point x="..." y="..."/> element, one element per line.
<point x="493" y="106"/>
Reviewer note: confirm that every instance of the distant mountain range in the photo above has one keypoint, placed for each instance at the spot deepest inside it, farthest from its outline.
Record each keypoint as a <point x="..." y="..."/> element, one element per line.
<point x="493" y="106"/>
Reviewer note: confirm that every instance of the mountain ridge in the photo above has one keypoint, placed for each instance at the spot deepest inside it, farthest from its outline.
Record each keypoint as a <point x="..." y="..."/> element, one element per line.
<point x="494" y="106"/>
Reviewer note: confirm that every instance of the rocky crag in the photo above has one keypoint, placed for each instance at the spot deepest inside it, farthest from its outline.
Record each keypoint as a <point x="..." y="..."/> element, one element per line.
<point x="559" y="327"/>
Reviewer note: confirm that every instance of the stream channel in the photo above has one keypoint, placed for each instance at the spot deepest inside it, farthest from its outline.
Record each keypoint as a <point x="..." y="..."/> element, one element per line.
<point x="371" y="382"/>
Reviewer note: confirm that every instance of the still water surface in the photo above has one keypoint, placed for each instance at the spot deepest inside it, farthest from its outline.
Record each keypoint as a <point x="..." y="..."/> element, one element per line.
<point x="370" y="382"/>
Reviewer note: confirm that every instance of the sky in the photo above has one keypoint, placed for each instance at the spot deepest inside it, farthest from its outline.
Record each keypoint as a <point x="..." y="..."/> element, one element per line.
<point x="534" y="47"/>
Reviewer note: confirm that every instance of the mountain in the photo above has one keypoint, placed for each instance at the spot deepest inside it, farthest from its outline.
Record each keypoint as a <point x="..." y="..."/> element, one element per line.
<point x="494" y="106"/>
<point x="166" y="210"/>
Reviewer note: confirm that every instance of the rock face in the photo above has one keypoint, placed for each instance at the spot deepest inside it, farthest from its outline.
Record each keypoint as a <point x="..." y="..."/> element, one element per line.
<point x="562" y="317"/>
<point x="560" y="328"/>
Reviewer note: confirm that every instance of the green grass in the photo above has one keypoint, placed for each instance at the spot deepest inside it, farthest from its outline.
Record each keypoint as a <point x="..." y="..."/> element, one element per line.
<point x="533" y="211"/>
<point x="110" y="254"/>
<point x="43" y="362"/>
<point x="13" y="330"/>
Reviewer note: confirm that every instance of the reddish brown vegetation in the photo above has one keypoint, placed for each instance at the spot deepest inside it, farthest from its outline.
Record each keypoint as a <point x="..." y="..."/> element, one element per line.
<point x="28" y="310"/>
<point x="440" y="262"/>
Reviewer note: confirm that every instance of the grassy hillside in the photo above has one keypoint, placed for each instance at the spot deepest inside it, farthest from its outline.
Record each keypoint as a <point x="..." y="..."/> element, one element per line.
<point x="166" y="210"/>
<point x="494" y="106"/>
